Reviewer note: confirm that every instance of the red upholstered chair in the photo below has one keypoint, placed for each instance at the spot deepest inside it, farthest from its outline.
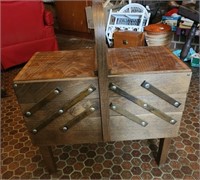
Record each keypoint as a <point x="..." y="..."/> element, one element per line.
<point x="26" y="28"/>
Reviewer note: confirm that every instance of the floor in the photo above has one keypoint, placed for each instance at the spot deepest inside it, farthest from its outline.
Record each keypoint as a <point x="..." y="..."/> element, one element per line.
<point x="113" y="160"/>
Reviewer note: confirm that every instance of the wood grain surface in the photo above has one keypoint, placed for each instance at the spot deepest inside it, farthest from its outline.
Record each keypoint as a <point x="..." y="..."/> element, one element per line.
<point x="143" y="59"/>
<point x="59" y="65"/>
<point x="34" y="91"/>
<point x="73" y="71"/>
<point x="101" y="59"/>
<point x="82" y="63"/>
<point x="125" y="39"/>
<point x="125" y="129"/>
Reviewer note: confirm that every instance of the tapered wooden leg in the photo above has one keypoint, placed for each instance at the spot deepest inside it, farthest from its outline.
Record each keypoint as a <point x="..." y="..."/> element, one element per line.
<point x="48" y="158"/>
<point x="163" y="150"/>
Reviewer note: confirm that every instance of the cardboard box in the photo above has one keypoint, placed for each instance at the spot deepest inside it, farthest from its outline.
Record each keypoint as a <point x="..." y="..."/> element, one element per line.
<point x="171" y="21"/>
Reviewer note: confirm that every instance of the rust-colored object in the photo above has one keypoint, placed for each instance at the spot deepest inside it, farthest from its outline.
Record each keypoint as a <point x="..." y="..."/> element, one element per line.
<point x="72" y="18"/>
<point x="157" y="28"/>
<point x="89" y="119"/>
<point x="124" y="39"/>
<point x="158" y="35"/>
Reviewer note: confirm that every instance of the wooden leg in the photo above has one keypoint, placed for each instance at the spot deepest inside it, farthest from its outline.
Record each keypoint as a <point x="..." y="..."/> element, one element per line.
<point x="48" y="158"/>
<point x="163" y="150"/>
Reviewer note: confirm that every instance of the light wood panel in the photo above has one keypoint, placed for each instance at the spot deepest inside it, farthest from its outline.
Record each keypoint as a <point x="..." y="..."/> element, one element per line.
<point x="87" y="130"/>
<point x="59" y="65"/>
<point x="33" y="92"/>
<point x="143" y="59"/>
<point x="170" y="83"/>
<point x="124" y="129"/>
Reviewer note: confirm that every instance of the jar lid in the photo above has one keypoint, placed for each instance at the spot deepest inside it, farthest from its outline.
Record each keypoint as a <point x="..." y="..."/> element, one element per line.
<point x="157" y="28"/>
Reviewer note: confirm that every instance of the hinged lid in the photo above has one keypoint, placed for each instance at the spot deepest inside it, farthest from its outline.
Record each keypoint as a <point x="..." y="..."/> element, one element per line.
<point x="59" y="65"/>
<point x="144" y="59"/>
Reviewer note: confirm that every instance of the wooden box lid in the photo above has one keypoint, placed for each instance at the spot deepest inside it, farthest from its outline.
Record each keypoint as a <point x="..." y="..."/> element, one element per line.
<point x="144" y="59"/>
<point x="81" y="63"/>
<point x="59" y="65"/>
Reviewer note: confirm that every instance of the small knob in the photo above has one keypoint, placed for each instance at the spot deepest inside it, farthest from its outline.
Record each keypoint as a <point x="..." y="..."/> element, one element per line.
<point x="125" y="42"/>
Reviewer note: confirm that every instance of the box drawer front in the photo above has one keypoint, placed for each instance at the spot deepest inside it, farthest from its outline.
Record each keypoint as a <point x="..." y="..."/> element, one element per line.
<point x="170" y="83"/>
<point x="128" y="39"/>
<point x="69" y="115"/>
<point x="88" y="130"/>
<point x="157" y="109"/>
<point x="122" y="128"/>
<point x="32" y="92"/>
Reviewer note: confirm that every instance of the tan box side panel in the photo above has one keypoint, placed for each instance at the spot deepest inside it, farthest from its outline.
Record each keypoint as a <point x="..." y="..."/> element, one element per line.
<point x="122" y="128"/>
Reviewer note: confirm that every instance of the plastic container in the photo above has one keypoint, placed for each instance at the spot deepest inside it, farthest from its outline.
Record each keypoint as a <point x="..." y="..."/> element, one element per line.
<point x="158" y="35"/>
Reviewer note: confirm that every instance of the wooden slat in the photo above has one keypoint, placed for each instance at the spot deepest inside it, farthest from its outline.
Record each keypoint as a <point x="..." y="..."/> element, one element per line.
<point x="101" y="57"/>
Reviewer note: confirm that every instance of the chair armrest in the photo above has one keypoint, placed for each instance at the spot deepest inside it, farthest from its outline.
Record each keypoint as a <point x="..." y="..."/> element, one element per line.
<point x="48" y="18"/>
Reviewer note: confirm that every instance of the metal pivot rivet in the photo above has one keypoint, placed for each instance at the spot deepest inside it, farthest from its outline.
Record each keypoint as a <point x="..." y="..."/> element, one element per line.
<point x="172" y="121"/>
<point x="56" y="91"/>
<point x="28" y="113"/>
<point x="15" y="85"/>
<point x="113" y="107"/>
<point x="90" y="89"/>
<point x="60" y="111"/>
<point x="113" y="87"/>
<point x="145" y="105"/>
<point x="147" y="85"/>
<point x="92" y="109"/>
<point x="34" y="131"/>
<point x="176" y="103"/>
<point x="143" y="123"/>
<point x="65" y="128"/>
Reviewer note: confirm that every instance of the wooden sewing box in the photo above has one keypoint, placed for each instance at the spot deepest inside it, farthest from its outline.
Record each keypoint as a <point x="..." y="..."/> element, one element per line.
<point x="101" y="95"/>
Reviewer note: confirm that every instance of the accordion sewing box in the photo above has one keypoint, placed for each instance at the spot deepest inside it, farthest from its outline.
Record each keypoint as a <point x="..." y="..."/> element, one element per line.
<point x="100" y="95"/>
